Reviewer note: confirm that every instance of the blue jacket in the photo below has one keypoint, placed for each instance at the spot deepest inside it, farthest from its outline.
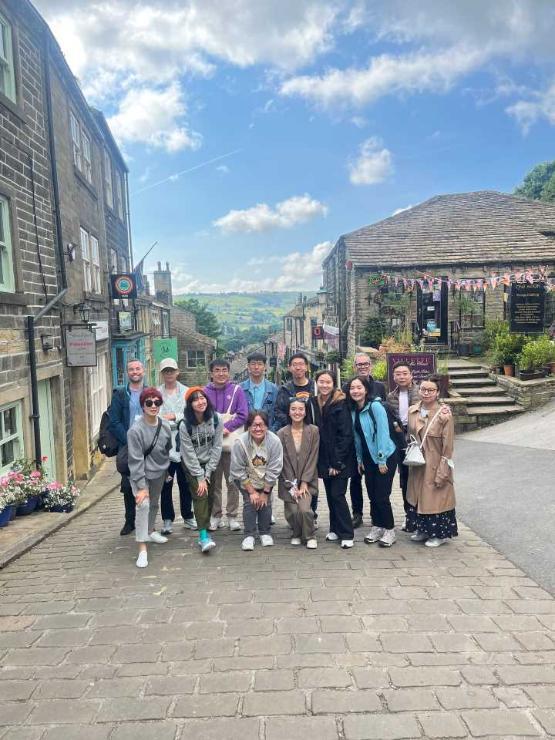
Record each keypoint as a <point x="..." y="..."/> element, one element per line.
<point x="380" y="444"/>
<point x="119" y="414"/>
<point x="268" y="400"/>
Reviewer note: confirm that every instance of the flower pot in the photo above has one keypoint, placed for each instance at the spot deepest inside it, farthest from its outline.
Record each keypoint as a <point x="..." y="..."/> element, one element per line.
<point x="6" y="515"/>
<point x="28" y="507"/>
<point x="61" y="508"/>
<point x="509" y="370"/>
<point x="531" y="374"/>
<point x="12" y="515"/>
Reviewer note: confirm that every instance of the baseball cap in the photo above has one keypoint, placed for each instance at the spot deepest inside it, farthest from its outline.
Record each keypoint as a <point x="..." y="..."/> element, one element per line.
<point x="169" y="362"/>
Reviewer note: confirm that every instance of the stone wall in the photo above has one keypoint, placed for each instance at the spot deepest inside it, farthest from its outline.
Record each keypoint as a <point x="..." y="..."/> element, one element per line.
<point x="528" y="393"/>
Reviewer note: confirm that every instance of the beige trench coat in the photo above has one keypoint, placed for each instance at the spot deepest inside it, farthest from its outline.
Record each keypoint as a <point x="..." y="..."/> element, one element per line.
<point x="302" y="466"/>
<point x="430" y="488"/>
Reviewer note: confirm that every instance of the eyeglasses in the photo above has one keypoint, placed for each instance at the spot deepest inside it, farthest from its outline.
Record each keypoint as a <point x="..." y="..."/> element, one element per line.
<point x="258" y="426"/>
<point x="153" y="402"/>
<point x="362" y="364"/>
<point x="426" y="391"/>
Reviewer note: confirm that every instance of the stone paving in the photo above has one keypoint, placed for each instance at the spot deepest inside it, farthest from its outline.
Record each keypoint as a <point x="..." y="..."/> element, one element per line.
<point x="270" y="645"/>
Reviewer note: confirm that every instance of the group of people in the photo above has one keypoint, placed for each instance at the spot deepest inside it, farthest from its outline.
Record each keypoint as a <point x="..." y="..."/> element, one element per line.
<point x="261" y="438"/>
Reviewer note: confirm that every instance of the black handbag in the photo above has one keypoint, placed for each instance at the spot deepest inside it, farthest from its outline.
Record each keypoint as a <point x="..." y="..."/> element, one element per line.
<point x="122" y="458"/>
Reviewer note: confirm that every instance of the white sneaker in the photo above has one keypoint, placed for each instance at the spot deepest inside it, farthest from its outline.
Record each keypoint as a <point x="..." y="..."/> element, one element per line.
<point x="215" y="522"/>
<point x="167" y="526"/>
<point x="374" y="534"/>
<point x="157" y="537"/>
<point x="345" y="544"/>
<point x="387" y="538"/>
<point x="435" y="542"/>
<point x="142" y="560"/>
<point x="295" y="540"/>
<point x="207" y="544"/>
<point x="331" y="537"/>
<point x="266" y="540"/>
<point x="234" y="525"/>
<point x="419" y="536"/>
<point x="248" y="543"/>
<point x="312" y="544"/>
<point x="190" y="523"/>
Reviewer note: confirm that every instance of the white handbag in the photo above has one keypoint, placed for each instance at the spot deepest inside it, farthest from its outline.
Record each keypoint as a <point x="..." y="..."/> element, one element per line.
<point x="229" y="439"/>
<point x="414" y="457"/>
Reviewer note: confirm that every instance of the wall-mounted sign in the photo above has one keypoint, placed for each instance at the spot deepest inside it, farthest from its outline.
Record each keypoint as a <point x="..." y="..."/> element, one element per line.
<point x="80" y="347"/>
<point x="317" y="332"/>
<point x="125" y="321"/>
<point x="101" y="330"/>
<point x="123" y="285"/>
<point x="421" y="364"/>
<point x="527" y="307"/>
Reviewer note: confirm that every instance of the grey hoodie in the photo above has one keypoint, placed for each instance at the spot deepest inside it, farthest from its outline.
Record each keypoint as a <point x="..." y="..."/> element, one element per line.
<point x="139" y="439"/>
<point x="201" y="450"/>
<point x="241" y="466"/>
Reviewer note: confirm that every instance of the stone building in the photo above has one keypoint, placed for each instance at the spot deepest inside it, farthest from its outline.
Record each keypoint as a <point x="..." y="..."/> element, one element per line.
<point x="444" y="263"/>
<point x="303" y="328"/>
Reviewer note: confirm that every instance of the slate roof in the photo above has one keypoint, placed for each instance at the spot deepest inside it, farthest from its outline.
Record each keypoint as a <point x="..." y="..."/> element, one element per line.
<point x="464" y="228"/>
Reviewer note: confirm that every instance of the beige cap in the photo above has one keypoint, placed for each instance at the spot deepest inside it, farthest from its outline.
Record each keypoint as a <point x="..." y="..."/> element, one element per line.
<point x="169" y="362"/>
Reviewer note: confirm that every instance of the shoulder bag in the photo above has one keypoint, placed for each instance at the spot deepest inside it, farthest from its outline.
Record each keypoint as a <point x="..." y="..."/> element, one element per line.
<point x="414" y="457"/>
<point x="122" y="458"/>
<point x="229" y="439"/>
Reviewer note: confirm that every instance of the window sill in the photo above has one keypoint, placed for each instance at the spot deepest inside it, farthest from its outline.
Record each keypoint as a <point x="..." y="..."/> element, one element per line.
<point x="15" y="299"/>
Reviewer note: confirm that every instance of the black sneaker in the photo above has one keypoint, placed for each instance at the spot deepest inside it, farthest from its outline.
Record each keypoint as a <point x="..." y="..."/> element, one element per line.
<point x="127" y="529"/>
<point x="357" y="521"/>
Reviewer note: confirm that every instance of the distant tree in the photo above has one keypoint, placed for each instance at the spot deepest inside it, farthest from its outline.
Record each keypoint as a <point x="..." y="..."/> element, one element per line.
<point x="207" y="323"/>
<point x="539" y="183"/>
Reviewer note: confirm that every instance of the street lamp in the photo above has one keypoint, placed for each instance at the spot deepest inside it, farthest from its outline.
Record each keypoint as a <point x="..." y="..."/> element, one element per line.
<point x="84" y="311"/>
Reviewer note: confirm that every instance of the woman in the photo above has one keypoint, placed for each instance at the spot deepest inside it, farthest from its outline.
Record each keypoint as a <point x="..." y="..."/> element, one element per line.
<point x="376" y="457"/>
<point x="330" y="414"/>
<point x="200" y="447"/>
<point x="298" y="481"/>
<point x="149" y="442"/>
<point x="430" y="494"/>
<point x="256" y="462"/>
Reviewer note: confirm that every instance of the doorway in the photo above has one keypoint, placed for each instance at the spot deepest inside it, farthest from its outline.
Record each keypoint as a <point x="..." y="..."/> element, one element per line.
<point x="432" y="314"/>
<point x="46" y="424"/>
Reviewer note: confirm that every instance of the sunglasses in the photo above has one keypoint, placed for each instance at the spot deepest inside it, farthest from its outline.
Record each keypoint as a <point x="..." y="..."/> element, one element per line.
<point x="153" y="402"/>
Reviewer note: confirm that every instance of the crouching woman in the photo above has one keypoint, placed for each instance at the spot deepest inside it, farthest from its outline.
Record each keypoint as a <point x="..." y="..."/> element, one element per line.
<point x="256" y="462"/>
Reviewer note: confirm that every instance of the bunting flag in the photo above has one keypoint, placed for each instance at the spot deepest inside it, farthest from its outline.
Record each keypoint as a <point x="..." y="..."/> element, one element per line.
<point x="434" y="282"/>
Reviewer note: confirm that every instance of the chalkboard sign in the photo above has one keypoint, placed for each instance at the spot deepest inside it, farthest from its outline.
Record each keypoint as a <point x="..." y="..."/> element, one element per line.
<point x="421" y="364"/>
<point x="527" y="307"/>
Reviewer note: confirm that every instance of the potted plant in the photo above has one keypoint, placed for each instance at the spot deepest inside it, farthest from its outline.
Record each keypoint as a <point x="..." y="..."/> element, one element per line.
<point x="442" y="371"/>
<point x="507" y="347"/>
<point x="8" y="491"/>
<point x="60" y="498"/>
<point x="31" y="482"/>
<point x="533" y="358"/>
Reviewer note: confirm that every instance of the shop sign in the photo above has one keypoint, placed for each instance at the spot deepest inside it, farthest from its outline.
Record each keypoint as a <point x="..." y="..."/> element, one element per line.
<point x="527" y="307"/>
<point x="123" y="285"/>
<point x="80" y="347"/>
<point x="101" y="330"/>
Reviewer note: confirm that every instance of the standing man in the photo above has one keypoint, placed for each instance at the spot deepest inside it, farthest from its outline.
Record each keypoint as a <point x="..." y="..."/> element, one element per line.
<point x="172" y="410"/>
<point x="363" y="367"/>
<point x="300" y="386"/>
<point x="227" y="398"/>
<point x="404" y="394"/>
<point x="125" y="408"/>
<point x="261" y="393"/>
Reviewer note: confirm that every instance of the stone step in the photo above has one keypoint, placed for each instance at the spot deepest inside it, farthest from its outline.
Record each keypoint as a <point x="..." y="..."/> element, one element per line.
<point x="455" y="366"/>
<point x="485" y="390"/>
<point x="494" y="410"/>
<point x="501" y="399"/>
<point x="462" y="382"/>
<point x="469" y="373"/>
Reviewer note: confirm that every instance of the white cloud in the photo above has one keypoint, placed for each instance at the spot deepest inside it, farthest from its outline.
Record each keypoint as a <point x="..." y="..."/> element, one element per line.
<point x="262" y="217"/>
<point x="154" y="116"/>
<point x="541" y="105"/>
<point x="223" y="169"/>
<point x="373" y="165"/>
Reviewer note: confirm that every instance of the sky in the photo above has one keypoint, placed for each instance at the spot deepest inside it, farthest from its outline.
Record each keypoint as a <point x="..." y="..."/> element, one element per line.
<point x="258" y="131"/>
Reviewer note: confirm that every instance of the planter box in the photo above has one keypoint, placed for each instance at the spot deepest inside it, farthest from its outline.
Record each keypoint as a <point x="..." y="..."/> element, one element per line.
<point x="531" y="374"/>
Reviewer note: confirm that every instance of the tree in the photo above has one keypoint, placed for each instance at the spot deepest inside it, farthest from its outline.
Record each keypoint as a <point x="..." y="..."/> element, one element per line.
<point x="207" y="323"/>
<point x="539" y="183"/>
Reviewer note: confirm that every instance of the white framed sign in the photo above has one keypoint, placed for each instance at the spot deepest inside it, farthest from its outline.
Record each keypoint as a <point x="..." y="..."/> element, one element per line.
<point x="101" y="330"/>
<point x="80" y="347"/>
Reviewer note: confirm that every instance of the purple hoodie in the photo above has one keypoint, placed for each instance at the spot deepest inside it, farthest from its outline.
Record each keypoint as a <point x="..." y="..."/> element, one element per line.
<point x="221" y="398"/>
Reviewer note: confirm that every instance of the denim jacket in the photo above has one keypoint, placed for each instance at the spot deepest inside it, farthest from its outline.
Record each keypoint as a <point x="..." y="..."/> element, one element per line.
<point x="268" y="399"/>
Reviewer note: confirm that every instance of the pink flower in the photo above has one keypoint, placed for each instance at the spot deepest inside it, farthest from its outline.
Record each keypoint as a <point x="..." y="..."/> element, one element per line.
<point x="36" y="474"/>
<point x="44" y="458"/>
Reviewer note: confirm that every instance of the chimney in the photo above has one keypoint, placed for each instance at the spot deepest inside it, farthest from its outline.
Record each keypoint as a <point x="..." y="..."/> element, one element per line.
<point x="163" y="284"/>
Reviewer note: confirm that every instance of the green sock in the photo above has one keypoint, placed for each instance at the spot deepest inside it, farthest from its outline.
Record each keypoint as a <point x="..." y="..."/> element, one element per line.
<point x="203" y="534"/>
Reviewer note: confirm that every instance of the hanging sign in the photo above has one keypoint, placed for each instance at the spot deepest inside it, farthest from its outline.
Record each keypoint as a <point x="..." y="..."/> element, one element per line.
<point x="421" y="365"/>
<point x="317" y="332"/>
<point x="527" y="307"/>
<point x="123" y="285"/>
<point x="80" y="347"/>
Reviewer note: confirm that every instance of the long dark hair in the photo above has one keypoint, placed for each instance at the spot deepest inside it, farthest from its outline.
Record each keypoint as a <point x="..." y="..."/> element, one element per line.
<point x="368" y="387"/>
<point x="190" y="417"/>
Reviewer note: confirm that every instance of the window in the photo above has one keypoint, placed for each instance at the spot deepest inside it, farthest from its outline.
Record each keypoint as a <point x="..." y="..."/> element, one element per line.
<point x="7" y="282"/>
<point x="97" y="393"/>
<point x="119" y="196"/>
<point x="7" y="72"/>
<point x="86" y="257"/>
<point x="113" y="261"/>
<point x="472" y="308"/>
<point x="95" y="266"/>
<point x="165" y="323"/>
<point x="289" y="324"/>
<point x="108" y="180"/>
<point x="314" y="340"/>
<point x="195" y="358"/>
<point x="11" y="435"/>
<point x="81" y="145"/>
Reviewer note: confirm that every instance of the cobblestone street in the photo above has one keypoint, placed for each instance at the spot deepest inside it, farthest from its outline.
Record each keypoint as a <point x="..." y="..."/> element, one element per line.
<point x="274" y="644"/>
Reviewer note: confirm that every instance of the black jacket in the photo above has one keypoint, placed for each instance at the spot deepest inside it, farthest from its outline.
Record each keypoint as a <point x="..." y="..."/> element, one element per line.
<point x="287" y="391"/>
<point x="336" y="437"/>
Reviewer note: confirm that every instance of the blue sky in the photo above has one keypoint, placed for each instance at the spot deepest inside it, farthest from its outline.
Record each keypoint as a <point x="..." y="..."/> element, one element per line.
<point x="301" y="120"/>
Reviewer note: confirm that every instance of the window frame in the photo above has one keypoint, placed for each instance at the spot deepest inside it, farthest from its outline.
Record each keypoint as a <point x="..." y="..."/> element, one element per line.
<point x="7" y="263"/>
<point x="86" y="154"/>
<point x="98" y="392"/>
<point x="75" y="130"/>
<point x="96" y="286"/>
<point x="7" y="62"/>
<point x="18" y="435"/>
<point x="196" y="353"/>
<point x="86" y="259"/>
<point x="119" y="195"/>
<point x="108" y="183"/>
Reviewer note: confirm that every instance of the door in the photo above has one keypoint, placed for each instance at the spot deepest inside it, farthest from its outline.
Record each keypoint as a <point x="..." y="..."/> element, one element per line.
<point x="46" y="424"/>
<point x="432" y="313"/>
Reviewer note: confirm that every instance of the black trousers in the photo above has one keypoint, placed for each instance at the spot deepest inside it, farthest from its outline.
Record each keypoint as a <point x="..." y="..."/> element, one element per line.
<point x="403" y="479"/>
<point x="128" y="500"/>
<point x="355" y="490"/>
<point x="340" y="516"/>
<point x="166" y="498"/>
<point x="379" y="486"/>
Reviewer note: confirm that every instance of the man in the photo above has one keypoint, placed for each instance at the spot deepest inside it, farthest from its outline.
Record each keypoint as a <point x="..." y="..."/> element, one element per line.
<point x="124" y="409"/>
<point x="363" y="367"/>
<point x="404" y="394"/>
<point x="226" y="398"/>
<point x="173" y="393"/>
<point x="300" y="386"/>
<point x="261" y="394"/>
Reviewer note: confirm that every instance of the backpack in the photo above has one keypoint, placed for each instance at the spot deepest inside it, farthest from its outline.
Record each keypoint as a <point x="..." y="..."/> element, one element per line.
<point x="396" y="433"/>
<point x="107" y="443"/>
<point x="190" y="430"/>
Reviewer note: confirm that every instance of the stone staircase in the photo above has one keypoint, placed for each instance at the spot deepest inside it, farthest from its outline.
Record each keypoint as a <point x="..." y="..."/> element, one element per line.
<point x="484" y="402"/>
